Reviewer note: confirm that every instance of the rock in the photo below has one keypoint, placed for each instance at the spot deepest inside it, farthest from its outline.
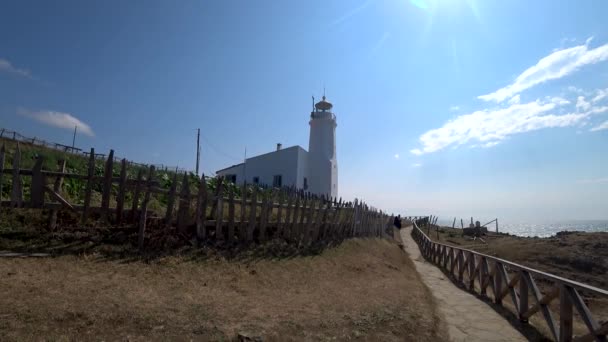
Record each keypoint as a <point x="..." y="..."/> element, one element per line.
<point x="246" y="337"/>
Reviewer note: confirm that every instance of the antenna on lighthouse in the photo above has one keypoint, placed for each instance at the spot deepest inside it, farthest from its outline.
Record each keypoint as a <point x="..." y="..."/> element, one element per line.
<point x="313" y="103"/>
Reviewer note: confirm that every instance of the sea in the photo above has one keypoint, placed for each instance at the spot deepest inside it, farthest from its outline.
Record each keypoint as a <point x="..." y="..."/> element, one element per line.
<point x="540" y="229"/>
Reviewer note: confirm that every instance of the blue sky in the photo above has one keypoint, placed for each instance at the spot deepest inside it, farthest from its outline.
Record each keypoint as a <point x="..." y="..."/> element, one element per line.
<point x="453" y="107"/>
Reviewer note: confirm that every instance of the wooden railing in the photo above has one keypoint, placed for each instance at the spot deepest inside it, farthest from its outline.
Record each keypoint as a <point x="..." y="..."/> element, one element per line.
<point x="211" y="214"/>
<point x="478" y="272"/>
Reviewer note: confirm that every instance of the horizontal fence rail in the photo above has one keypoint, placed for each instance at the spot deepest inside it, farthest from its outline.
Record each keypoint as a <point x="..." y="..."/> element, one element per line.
<point x="479" y="272"/>
<point x="193" y="206"/>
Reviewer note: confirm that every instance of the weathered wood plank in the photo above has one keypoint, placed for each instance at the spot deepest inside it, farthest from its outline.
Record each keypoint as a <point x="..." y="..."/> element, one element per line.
<point x="309" y="222"/>
<point x="293" y="220"/>
<point x="60" y="199"/>
<point x="2" y="158"/>
<point x="17" y="192"/>
<point x="107" y="187"/>
<point x="543" y="307"/>
<point x="38" y="184"/>
<point x="122" y="186"/>
<point x="523" y="297"/>
<point x="143" y="216"/>
<point x="583" y="310"/>
<point x="565" y="315"/>
<point x="231" y="216"/>
<point x="52" y="224"/>
<point x="184" y="205"/>
<point x="264" y="217"/>
<point x="281" y="198"/>
<point x="89" y="187"/>
<point x="133" y="217"/>
<point x="242" y="223"/>
<point x="171" y="201"/>
<point x="252" y="214"/>
<point x="219" y="217"/>
<point x="201" y="210"/>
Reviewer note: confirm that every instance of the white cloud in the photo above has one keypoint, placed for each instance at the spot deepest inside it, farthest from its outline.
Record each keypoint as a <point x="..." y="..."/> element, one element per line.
<point x="454" y="108"/>
<point x="575" y="89"/>
<point x="581" y="104"/>
<point x="514" y="100"/>
<point x="558" y="100"/>
<point x="58" y="119"/>
<point x="490" y="126"/>
<point x="601" y="93"/>
<point x="490" y="144"/>
<point x="600" y="127"/>
<point x="397" y="156"/>
<point x="593" y="181"/>
<point x="416" y="165"/>
<point x="558" y="64"/>
<point x="6" y="66"/>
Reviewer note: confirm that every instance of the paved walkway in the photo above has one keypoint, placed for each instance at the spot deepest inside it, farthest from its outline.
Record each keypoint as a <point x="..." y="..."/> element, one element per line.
<point x="467" y="318"/>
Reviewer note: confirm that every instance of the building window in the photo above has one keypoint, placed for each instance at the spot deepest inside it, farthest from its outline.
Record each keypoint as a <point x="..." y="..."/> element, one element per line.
<point x="256" y="180"/>
<point x="305" y="183"/>
<point x="277" y="181"/>
<point x="231" y="178"/>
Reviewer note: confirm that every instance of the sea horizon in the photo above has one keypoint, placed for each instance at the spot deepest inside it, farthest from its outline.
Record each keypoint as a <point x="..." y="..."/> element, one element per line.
<point x="539" y="227"/>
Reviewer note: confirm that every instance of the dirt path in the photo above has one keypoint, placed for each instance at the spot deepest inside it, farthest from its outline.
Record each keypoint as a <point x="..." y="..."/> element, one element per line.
<point x="467" y="318"/>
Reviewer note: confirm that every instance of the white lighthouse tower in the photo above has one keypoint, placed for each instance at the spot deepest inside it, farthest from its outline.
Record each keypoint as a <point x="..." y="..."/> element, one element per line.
<point x="322" y="163"/>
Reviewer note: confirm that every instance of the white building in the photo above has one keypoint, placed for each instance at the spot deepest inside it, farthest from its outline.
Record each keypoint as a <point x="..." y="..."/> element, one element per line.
<point x="315" y="171"/>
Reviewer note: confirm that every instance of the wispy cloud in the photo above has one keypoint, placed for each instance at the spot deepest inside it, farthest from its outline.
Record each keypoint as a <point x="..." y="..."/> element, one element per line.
<point x="593" y="180"/>
<point x="6" y="66"/>
<point x="57" y="119"/>
<point x="560" y="63"/>
<point x="351" y="13"/>
<point x="600" y="127"/>
<point x="416" y="165"/>
<point x="380" y="42"/>
<point x="582" y="104"/>
<point x="601" y="94"/>
<point x="491" y="126"/>
<point x="454" y="108"/>
<point x="396" y="156"/>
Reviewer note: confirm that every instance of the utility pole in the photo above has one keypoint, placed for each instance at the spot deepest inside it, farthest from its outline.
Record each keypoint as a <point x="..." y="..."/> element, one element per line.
<point x="198" y="149"/>
<point x="74" y="138"/>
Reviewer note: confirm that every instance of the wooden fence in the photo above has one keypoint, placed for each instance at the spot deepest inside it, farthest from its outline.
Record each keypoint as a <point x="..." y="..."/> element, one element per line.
<point x="17" y="137"/>
<point x="217" y="215"/>
<point x="477" y="272"/>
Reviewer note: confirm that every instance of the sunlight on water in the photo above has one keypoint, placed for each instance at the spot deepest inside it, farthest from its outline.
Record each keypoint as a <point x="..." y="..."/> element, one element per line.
<point x="540" y="229"/>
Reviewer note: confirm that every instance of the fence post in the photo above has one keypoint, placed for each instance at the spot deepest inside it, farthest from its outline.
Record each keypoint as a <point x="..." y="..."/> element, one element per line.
<point x="219" y="217"/>
<point x="201" y="210"/>
<point x="89" y="187"/>
<point x="37" y="185"/>
<point x="184" y="205"/>
<point x="17" y="193"/>
<point x="242" y="223"/>
<point x="107" y="187"/>
<point x="136" y="195"/>
<point x="252" y="213"/>
<point x="231" y="216"/>
<point x="2" y="156"/>
<point x="120" y="199"/>
<point x="171" y="201"/>
<point x="144" y="210"/>
<point x="565" y="315"/>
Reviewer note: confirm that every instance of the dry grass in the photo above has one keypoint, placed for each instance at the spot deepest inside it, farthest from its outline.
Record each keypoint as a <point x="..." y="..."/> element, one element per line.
<point x="365" y="289"/>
